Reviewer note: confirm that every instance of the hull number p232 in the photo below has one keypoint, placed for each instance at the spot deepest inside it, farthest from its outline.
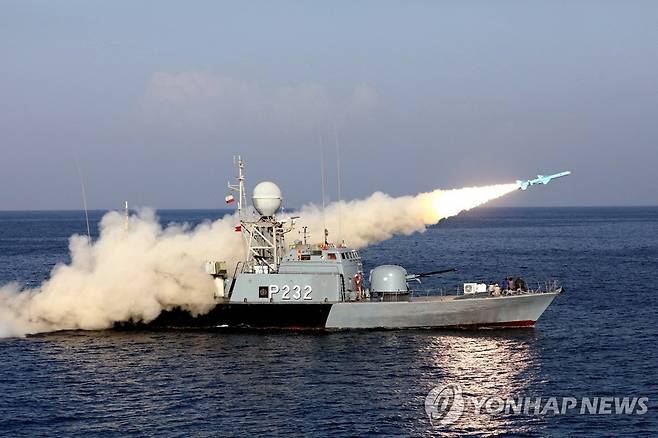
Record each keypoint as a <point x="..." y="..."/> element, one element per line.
<point x="295" y="292"/>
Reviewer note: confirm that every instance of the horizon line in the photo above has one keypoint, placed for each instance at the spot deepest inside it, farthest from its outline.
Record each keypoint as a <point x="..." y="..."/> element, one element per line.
<point x="297" y="208"/>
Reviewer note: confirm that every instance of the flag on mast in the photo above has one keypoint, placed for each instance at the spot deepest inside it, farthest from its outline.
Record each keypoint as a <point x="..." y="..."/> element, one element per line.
<point x="229" y="199"/>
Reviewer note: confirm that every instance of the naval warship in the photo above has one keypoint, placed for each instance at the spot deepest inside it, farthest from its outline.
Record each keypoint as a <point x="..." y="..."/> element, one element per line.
<point x="322" y="285"/>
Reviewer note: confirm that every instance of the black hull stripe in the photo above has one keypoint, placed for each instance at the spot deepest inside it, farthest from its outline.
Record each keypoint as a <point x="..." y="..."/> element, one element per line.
<point x="270" y="315"/>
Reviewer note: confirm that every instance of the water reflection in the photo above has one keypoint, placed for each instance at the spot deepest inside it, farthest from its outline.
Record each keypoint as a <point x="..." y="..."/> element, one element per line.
<point x="260" y="381"/>
<point x="486" y="365"/>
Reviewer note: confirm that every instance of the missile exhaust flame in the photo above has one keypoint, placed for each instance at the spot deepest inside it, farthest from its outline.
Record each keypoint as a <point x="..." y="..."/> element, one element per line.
<point x="451" y="202"/>
<point x="132" y="273"/>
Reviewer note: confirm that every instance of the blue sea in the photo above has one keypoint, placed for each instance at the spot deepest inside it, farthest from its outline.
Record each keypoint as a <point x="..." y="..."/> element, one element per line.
<point x="599" y="339"/>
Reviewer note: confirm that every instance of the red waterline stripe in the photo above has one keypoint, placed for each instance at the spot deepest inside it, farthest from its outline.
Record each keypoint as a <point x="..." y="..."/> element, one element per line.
<point x="507" y="324"/>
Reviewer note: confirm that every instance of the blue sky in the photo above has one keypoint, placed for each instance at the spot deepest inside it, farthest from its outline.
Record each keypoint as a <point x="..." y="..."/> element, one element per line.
<point x="154" y="98"/>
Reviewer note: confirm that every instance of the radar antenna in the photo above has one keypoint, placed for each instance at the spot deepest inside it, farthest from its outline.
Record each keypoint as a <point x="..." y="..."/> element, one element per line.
<point x="84" y="198"/>
<point x="126" y="217"/>
<point x="338" y="178"/>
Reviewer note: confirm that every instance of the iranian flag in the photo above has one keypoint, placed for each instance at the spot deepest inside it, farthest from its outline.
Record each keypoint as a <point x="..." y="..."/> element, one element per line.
<point x="229" y="199"/>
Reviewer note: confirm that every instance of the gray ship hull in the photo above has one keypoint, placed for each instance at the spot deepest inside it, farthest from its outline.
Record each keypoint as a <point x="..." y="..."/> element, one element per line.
<point x="434" y="312"/>
<point x="457" y="312"/>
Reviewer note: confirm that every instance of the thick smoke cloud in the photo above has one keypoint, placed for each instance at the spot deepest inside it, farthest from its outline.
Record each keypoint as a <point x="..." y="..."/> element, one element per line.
<point x="123" y="276"/>
<point x="134" y="274"/>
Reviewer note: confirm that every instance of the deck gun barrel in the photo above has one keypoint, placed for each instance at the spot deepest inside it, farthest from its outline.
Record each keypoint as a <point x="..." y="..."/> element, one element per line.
<point x="429" y="274"/>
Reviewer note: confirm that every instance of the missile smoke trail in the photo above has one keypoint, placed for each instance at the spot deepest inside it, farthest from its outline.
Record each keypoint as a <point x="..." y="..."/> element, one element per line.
<point x="134" y="275"/>
<point x="379" y="217"/>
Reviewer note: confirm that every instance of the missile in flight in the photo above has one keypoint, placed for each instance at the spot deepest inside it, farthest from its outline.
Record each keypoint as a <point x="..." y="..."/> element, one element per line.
<point x="541" y="179"/>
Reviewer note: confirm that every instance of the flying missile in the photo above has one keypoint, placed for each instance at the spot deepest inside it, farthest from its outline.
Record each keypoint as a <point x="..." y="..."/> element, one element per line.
<point x="541" y="179"/>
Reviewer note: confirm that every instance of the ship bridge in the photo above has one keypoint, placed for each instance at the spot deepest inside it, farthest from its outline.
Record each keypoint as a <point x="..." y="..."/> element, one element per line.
<point x="326" y="259"/>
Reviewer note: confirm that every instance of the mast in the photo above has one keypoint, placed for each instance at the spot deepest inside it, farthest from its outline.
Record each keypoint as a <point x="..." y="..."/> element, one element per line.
<point x="240" y="186"/>
<point x="263" y="237"/>
<point x="240" y="189"/>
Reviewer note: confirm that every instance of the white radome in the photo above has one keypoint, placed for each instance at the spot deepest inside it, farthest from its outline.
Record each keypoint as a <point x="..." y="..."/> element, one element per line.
<point x="267" y="198"/>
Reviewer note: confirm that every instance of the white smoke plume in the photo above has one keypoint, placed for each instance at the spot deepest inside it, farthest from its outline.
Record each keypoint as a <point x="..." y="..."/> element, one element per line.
<point x="134" y="274"/>
<point x="374" y="219"/>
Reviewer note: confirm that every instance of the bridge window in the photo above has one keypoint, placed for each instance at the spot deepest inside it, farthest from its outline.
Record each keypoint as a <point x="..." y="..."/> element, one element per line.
<point x="331" y="256"/>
